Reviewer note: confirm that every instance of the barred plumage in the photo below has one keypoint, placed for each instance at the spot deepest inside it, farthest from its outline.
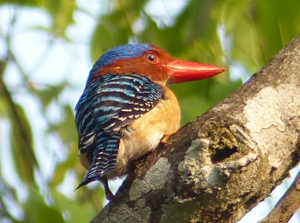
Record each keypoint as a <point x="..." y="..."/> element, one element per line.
<point x="106" y="106"/>
<point x="126" y="109"/>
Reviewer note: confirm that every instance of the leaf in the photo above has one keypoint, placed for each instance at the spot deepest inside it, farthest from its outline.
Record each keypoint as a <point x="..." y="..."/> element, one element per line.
<point x="218" y="91"/>
<point x="195" y="21"/>
<point x="241" y="32"/>
<point x="38" y="211"/>
<point x="150" y="33"/>
<point x="160" y="36"/>
<point x="77" y="211"/>
<point x="48" y="94"/>
<point x="288" y="18"/>
<point x="2" y="106"/>
<point x="66" y="128"/>
<point x="257" y="30"/>
<point x="111" y="31"/>
<point x="277" y="24"/>
<point x="115" y="28"/>
<point x="268" y="28"/>
<point x="61" y="12"/>
<point x="22" y="145"/>
<point x="30" y="3"/>
<point x="62" y="168"/>
<point x="197" y="97"/>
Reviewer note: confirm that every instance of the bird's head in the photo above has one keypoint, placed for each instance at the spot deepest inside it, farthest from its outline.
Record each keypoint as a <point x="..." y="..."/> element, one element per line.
<point x="151" y="61"/>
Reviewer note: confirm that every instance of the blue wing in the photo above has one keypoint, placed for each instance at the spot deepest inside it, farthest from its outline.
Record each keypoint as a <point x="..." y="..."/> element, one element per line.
<point x="106" y="106"/>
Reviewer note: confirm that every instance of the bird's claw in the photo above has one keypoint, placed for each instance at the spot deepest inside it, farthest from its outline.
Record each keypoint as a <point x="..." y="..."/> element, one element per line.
<point x="108" y="194"/>
<point x="165" y="139"/>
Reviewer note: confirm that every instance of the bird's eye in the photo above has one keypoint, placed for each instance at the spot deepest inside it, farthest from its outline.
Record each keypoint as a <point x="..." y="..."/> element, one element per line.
<point x="151" y="57"/>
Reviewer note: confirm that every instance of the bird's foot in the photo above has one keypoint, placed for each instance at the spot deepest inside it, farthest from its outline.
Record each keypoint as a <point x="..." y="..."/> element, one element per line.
<point x="108" y="194"/>
<point x="165" y="139"/>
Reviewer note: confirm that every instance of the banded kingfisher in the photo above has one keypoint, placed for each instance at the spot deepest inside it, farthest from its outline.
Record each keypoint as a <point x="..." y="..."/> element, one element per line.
<point x="126" y="110"/>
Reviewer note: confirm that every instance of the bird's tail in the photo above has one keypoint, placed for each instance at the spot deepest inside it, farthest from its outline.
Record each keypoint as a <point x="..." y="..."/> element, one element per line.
<point x="86" y="181"/>
<point x="104" y="159"/>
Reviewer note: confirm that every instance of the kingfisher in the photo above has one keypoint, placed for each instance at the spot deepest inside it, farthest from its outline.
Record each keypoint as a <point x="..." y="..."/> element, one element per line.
<point x="126" y="109"/>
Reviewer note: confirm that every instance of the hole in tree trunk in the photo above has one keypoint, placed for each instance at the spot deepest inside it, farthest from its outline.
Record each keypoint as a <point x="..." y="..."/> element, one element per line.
<point x="221" y="154"/>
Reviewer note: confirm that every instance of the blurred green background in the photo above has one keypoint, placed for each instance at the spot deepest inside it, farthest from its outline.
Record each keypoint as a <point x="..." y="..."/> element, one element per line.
<point x="46" y="50"/>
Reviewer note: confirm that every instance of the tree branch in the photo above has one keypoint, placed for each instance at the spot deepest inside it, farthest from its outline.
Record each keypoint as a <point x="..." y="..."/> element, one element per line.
<point x="287" y="205"/>
<point x="222" y="164"/>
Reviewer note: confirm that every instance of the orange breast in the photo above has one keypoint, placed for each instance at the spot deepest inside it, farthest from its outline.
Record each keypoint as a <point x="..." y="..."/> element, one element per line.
<point x="145" y="133"/>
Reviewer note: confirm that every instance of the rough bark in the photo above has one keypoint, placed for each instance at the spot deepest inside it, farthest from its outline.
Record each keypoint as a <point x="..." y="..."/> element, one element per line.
<point x="223" y="163"/>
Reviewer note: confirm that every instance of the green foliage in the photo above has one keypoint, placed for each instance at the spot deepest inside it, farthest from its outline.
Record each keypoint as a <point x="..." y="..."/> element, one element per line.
<point x="74" y="211"/>
<point x="33" y="3"/>
<point x="259" y="29"/>
<point x="61" y="12"/>
<point x="108" y="34"/>
<point x="48" y="94"/>
<point x="253" y="32"/>
<point x="38" y="211"/>
<point x="115" y="28"/>
<point x="22" y="145"/>
<point x="67" y="122"/>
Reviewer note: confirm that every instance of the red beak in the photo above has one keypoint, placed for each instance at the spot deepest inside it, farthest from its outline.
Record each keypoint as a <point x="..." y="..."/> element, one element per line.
<point x="182" y="71"/>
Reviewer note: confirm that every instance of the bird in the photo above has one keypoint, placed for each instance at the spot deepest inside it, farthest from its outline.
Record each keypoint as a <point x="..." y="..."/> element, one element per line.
<point x="126" y="108"/>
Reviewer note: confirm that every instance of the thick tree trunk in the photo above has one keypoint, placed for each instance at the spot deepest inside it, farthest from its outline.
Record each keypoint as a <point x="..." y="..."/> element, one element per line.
<point x="223" y="163"/>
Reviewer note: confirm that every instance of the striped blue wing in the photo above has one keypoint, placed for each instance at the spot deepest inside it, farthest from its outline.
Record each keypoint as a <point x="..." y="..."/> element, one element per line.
<point x="106" y="106"/>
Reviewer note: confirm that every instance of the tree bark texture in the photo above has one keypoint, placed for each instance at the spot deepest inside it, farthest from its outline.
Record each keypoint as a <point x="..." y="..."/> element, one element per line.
<point x="220" y="165"/>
